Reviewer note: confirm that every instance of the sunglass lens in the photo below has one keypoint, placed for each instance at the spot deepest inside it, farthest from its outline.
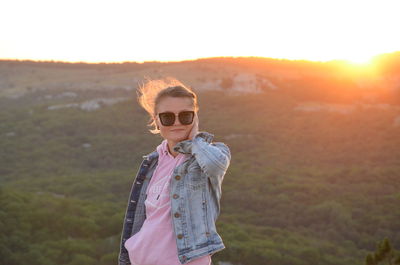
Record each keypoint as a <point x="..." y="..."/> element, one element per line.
<point x="186" y="117"/>
<point x="167" y="119"/>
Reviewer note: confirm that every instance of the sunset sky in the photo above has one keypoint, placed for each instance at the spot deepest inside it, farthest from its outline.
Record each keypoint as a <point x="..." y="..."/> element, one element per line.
<point x="172" y="30"/>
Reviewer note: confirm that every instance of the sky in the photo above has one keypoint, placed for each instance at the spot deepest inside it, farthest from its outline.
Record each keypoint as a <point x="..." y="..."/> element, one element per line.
<point x="174" y="30"/>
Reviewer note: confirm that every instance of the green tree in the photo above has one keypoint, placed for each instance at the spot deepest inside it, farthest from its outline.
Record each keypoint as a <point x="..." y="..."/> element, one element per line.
<point x="383" y="254"/>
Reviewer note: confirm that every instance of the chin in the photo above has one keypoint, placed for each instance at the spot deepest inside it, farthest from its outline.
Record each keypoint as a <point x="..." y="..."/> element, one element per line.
<point x="177" y="138"/>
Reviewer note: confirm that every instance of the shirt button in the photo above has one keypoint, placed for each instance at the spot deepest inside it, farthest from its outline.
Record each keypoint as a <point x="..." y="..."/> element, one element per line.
<point x="175" y="196"/>
<point x="180" y="236"/>
<point x="177" y="215"/>
<point x="177" y="177"/>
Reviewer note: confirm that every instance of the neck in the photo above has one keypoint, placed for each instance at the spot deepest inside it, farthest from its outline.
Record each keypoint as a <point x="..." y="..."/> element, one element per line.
<point x="171" y="150"/>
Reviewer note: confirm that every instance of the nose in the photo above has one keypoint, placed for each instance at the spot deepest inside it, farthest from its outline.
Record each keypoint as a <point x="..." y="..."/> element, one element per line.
<point x="177" y="122"/>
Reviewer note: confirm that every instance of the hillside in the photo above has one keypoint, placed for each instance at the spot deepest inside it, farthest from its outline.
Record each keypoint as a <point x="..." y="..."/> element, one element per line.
<point x="314" y="176"/>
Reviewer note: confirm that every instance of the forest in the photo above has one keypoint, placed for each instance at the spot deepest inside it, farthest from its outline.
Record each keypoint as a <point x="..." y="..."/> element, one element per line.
<point x="314" y="176"/>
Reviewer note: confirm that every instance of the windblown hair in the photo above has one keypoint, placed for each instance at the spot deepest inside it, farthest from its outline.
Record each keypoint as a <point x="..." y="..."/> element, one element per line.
<point x="152" y="92"/>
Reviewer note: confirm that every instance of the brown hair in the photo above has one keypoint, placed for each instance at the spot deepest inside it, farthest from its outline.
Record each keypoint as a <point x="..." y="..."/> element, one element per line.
<point x="152" y="92"/>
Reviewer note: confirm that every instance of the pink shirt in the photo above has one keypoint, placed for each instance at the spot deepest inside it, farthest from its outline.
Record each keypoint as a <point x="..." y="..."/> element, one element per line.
<point x="155" y="243"/>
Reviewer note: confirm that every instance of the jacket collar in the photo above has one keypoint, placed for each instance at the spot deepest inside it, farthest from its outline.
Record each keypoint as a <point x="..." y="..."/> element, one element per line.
<point x="151" y="155"/>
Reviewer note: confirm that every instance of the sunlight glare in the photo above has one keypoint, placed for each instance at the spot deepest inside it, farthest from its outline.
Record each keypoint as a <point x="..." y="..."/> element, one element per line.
<point x="125" y="30"/>
<point x="362" y="60"/>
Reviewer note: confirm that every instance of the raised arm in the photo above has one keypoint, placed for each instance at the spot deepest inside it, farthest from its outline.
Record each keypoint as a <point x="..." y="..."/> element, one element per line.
<point x="213" y="158"/>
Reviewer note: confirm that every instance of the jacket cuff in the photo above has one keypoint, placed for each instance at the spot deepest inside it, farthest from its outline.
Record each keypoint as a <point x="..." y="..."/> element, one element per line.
<point x="185" y="146"/>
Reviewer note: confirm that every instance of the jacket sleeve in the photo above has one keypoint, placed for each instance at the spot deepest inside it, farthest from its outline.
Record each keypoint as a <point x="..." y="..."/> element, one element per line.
<point x="213" y="158"/>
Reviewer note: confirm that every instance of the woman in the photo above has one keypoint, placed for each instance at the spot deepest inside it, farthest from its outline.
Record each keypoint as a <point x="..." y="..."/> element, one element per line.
<point x="175" y="198"/>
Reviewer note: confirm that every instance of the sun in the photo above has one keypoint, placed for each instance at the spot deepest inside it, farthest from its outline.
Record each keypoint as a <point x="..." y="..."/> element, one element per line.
<point x="359" y="59"/>
<point x="361" y="66"/>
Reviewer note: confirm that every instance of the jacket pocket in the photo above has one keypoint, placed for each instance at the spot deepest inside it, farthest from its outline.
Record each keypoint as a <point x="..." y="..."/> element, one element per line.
<point x="195" y="178"/>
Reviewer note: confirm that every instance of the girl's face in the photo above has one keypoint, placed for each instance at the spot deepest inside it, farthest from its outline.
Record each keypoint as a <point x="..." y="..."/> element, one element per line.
<point x="177" y="132"/>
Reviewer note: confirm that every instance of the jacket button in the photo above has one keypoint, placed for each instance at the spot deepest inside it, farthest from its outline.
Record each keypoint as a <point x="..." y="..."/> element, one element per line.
<point x="177" y="215"/>
<point x="180" y="236"/>
<point x="177" y="177"/>
<point x="175" y="196"/>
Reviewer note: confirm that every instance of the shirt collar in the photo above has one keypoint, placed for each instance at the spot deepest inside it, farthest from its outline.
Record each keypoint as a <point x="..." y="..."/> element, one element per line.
<point x="162" y="149"/>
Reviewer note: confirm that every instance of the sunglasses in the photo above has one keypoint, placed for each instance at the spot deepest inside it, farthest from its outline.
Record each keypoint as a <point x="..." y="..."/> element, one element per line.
<point x="168" y="118"/>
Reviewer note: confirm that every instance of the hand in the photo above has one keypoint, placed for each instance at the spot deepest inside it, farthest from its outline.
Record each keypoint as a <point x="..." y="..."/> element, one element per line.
<point x="195" y="128"/>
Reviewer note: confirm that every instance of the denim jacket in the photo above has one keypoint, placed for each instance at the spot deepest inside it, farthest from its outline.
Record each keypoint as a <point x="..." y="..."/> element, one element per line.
<point x="195" y="195"/>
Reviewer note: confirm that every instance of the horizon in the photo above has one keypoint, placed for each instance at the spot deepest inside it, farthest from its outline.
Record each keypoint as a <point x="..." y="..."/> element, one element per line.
<point x="368" y="62"/>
